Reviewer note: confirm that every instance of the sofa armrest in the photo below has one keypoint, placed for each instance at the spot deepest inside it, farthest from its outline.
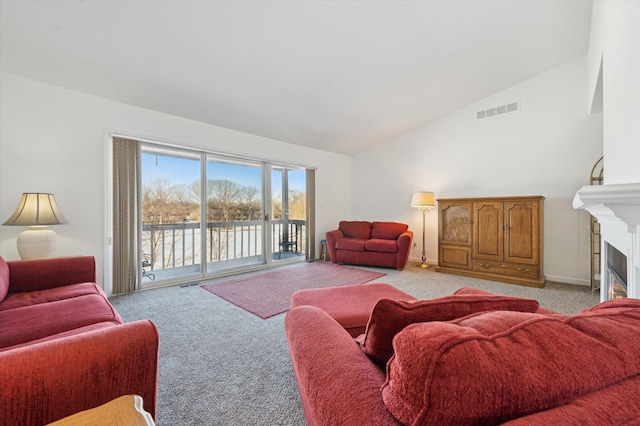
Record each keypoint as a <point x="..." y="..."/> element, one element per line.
<point x="404" y="246"/>
<point x="47" y="381"/>
<point x="332" y="237"/>
<point x="338" y="383"/>
<point x="42" y="274"/>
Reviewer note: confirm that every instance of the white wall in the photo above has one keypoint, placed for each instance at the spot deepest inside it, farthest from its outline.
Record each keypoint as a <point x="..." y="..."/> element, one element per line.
<point x="547" y="148"/>
<point x="615" y="38"/>
<point x="54" y="140"/>
<point x="614" y="76"/>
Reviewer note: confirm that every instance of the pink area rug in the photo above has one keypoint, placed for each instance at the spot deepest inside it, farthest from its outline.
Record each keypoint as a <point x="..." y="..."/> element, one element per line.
<point x="269" y="293"/>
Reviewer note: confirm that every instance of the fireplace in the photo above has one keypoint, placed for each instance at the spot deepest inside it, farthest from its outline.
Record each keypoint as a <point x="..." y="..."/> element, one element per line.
<point x="616" y="273"/>
<point x="617" y="208"/>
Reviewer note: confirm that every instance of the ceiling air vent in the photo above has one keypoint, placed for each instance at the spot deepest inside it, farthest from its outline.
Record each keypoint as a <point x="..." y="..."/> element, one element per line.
<point x="502" y="109"/>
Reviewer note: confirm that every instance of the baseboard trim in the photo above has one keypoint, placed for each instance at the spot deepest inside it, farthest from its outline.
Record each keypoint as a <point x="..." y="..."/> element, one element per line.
<point x="568" y="280"/>
<point x="555" y="278"/>
<point x="419" y="260"/>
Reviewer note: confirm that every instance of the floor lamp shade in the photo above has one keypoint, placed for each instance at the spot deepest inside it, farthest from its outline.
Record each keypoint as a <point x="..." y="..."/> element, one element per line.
<point x="37" y="210"/>
<point x="423" y="201"/>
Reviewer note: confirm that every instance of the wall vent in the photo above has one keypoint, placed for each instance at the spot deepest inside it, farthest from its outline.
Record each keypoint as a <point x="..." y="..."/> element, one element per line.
<point x="502" y="109"/>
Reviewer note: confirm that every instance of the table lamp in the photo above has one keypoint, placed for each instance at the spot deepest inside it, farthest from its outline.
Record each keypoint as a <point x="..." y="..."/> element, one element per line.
<point x="424" y="201"/>
<point x="37" y="211"/>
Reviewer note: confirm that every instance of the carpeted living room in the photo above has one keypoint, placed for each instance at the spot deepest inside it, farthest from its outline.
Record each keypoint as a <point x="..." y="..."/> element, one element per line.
<point x="220" y="364"/>
<point x="319" y="212"/>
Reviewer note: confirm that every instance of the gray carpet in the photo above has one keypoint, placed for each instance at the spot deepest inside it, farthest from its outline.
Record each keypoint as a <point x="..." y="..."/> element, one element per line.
<point x="221" y="365"/>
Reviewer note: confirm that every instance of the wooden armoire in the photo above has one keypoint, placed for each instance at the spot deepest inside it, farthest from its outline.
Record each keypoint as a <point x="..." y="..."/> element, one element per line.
<point x="498" y="239"/>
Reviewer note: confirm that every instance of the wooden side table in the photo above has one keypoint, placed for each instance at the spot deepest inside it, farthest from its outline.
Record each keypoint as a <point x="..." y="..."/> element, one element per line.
<point x="323" y="250"/>
<point x="124" y="411"/>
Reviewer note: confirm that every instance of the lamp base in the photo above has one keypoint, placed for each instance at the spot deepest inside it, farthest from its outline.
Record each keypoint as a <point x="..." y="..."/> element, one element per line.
<point x="423" y="264"/>
<point x="37" y="243"/>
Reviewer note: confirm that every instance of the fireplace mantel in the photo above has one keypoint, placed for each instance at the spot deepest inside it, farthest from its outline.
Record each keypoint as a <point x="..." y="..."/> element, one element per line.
<point x="620" y="202"/>
<point x="617" y="208"/>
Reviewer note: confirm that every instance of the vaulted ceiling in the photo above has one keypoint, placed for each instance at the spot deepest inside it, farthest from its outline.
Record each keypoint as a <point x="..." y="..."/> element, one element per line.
<point x="340" y="76"/>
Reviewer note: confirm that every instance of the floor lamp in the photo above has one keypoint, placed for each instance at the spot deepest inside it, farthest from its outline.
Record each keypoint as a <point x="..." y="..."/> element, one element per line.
<point x="424" y="201"/>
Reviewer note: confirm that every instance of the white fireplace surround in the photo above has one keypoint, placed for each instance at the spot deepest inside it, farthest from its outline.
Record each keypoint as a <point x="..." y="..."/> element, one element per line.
<point x="617" y="208"/>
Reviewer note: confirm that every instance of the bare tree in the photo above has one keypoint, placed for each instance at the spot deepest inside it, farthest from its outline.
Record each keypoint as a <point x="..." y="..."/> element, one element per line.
<point x="297" y="205"/>
<point x="163" y="203"/>
<point x="224" y="193"/>
<point x="248" y="202"/>
<point x="156" y="199"/>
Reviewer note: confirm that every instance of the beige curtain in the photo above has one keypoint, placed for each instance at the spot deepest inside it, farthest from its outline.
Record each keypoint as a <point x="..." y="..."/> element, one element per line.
<point x="311" y="214"/>
<point x="126" y="202"/>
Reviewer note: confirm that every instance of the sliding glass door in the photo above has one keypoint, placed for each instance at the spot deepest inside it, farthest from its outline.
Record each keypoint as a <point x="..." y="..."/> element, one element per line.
<point x="204" y="214"/>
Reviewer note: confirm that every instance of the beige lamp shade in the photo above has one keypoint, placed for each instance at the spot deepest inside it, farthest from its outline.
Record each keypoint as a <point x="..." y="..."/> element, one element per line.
<point x="423" y="200"/>
<point x="37" y="210"/>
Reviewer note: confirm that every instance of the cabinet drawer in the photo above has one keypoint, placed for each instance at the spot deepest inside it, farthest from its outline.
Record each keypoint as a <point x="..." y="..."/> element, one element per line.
<point x="505" y="268"/>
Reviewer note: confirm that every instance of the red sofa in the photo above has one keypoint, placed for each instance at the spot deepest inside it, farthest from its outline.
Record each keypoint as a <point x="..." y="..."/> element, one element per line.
<point x="458" y="361"/>
<point x="63" y="347"/>
<point x="384" y="244"/>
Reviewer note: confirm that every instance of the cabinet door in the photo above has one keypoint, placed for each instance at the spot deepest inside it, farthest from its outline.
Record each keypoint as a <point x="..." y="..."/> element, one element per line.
<point x="488" y="241"/>
<point x="454" y="234"/>
<point x="522" y="232"/>
<point x="455" y="223"/>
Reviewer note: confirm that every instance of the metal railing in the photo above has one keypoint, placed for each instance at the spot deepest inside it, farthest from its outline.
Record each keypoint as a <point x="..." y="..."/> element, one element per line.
<point x="175" y="245"/>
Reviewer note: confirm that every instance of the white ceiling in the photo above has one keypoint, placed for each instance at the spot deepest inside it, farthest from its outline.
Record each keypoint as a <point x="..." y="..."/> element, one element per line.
<point x="340" y="76"/>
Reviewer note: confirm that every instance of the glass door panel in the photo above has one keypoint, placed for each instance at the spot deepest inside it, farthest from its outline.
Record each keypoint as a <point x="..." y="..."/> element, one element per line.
<point x="234" y="213"/>
<point x="288" y="211"/>
<point x="170" y="213"/>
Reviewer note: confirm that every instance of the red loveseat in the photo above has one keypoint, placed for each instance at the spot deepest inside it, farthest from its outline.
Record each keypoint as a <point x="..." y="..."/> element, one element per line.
<point x="63" y="347"/>
<point x="384" y="244"/>
<point x="470" y="359"/>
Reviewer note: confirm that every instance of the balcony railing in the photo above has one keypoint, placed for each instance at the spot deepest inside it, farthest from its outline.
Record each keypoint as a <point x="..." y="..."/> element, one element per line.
<point x="178" y="245"/>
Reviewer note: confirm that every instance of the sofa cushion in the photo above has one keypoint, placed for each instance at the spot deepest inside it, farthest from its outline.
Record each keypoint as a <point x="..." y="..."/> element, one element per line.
<point x="492" y="367"/>
<point x="18" y="300"/>
<point x="34" y="322"/>
<point x="356" y="229"/>
<point x="390" y="316"/>
<point x="387" y="230"/>
<point x="472" y="290"/>
<point x="352" y="244"/>
<point x="593" y="409"/>
<point x="384" y="246"/>
<point x="4" y="279"/>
